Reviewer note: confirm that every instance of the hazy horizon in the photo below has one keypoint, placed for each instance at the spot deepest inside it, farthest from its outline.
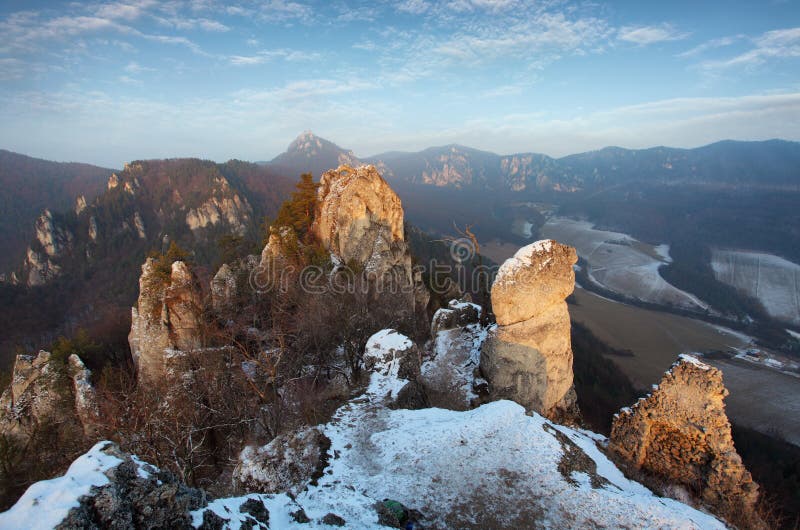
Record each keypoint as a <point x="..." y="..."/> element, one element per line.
<point x="373" y="155"/>
<point x="109" y="82"/>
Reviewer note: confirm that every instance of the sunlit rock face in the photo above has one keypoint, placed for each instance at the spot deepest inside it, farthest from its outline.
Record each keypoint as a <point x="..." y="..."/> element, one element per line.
<point x="359" y="219"/>
<point x="166" y="318"/>
<point x="52" y="241"/>
<point x="527" y="357"/>
<point x="224" y="206"/>
<point x="681" y="433"/>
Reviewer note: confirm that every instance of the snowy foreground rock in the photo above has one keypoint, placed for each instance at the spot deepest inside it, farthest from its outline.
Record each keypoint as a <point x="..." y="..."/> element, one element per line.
<point x="491" y="467"/>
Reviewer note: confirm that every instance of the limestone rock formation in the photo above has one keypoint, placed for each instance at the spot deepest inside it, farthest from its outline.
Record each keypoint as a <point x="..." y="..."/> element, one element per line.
<point x="282" y="242"/>
<point x="681" y="433"/>
<point x="80" y="204"/>
<point x="231" y="280"/>
<point x="224" y="206"/>
<point x="223" y="287"/>
<point x="287" y="463"/>
<point x="528" y="356"/>
<point x="396" y="357"/>
<point x="52" y="242"/>
<point x="166" y="317"/>
<point x="45" y="392"/>
<point x="359" y="219"/>
<point x="451" y="372"/>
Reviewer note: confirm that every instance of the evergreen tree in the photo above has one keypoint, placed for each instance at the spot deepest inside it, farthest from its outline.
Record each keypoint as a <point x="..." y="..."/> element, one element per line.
<point x="298" y="211"/>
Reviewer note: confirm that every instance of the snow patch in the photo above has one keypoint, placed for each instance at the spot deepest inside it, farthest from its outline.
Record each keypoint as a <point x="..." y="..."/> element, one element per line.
<point x="523" y="258"/>
<point x="691" y="359"/>
<point x="45" y="504"/>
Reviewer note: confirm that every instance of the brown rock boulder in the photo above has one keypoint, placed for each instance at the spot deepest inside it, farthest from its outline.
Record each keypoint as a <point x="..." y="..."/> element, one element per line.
<point x="681" y="432"/>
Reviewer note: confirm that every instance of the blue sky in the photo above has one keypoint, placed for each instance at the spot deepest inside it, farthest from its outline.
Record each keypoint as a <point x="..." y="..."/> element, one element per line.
<point x="110" y="82"/>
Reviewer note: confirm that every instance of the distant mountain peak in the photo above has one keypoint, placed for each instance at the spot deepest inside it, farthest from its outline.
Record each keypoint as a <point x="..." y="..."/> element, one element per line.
<point x="309" y="152"/>
<point x="310" y="144"/>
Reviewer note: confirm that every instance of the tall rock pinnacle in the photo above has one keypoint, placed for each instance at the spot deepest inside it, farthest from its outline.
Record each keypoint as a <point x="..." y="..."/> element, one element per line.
<point x="528" y="356"/>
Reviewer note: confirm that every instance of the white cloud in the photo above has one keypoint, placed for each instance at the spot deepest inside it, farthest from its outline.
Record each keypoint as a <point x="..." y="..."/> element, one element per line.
<point x="285" y="11"/>
<point x="679" y="122"/>
<point x="135" y="68"/>
<point x="415" y="7"/>
<point x="776" y="44"/>
<point x="265" y="56"/>
<point x="486" y="5"/>
<point x="644" y="35"/>
<point x="710" y="45"/>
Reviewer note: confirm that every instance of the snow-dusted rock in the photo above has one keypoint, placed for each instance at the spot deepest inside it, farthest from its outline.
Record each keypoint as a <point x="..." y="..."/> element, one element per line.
<point x="681" y="433"/>
<point x="492" y="467"/>
<point x="528" y="356"/>
<point x="287" y="464"/>
<point x="538" y="276"/>
<point x="458" y="313"/>
<point x="106" y="488"/>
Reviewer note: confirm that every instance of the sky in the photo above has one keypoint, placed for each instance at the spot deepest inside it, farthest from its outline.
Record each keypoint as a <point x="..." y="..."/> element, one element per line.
<point x="110" y="82"/>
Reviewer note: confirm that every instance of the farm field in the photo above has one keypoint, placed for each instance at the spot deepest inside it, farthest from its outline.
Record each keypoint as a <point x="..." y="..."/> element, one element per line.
<point x="620" y="263"/>
<point x="774" y="281"/>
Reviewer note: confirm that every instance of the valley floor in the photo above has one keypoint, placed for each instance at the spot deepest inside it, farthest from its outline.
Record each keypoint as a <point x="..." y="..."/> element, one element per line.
<point x="761" y="398"/>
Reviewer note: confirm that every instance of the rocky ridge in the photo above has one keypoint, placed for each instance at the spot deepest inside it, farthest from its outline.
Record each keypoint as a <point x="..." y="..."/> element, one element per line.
<point x="137" y="207"/>
<point x="428" y="459"/>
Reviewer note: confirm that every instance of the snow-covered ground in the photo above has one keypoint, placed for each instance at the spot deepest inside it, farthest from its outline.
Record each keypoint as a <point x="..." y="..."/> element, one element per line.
<point x="491" y="467"/>
<point x="774" y="281"/>
<point x="621" y="263"/>
<point x="46" y="503"/>
<point x="456" y="355"/>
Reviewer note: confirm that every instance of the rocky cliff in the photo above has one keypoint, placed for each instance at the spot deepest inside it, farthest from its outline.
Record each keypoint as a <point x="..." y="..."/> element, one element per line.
<point x="359" y="219"/>
<point x="166" y="318"/>
<point x="52" y="241"/>
<point x="680" y="432"/>
<point x="527" y="357"/>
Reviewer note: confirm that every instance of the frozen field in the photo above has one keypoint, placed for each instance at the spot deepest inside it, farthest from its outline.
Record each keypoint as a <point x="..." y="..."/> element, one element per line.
<point x="760" y="398"/>
<point x="774" y="281"/>
<point x="621" y="263"/>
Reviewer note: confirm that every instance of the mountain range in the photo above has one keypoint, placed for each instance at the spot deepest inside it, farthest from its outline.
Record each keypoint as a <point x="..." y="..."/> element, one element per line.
<point x="86" y="229"/>
<point x="771" y="163"/>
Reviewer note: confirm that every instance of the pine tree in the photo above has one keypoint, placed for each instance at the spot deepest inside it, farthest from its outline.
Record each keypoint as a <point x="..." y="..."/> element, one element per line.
<point x="298" y="211"/>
